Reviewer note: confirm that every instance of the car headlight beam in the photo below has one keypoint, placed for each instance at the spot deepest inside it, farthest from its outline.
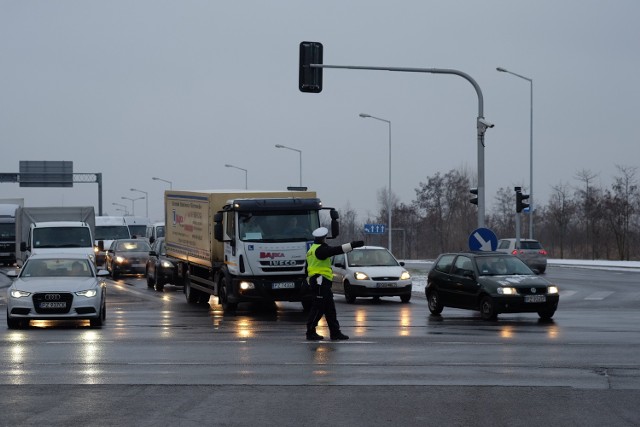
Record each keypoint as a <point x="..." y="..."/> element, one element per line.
<point x="360" y="275"/>
<point x="552" y="289"/>
<point x="405" y="275"/>
<point x="507" y="291"/>
<point x="16" y="293"/>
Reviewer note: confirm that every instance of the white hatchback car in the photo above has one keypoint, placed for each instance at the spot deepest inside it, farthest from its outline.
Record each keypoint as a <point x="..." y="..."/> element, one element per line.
<point x="370" y="271"/>
<point x="61" y="286"/>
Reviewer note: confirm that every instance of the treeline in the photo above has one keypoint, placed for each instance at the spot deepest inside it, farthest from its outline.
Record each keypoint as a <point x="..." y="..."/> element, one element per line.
<point x="581" y="220"/>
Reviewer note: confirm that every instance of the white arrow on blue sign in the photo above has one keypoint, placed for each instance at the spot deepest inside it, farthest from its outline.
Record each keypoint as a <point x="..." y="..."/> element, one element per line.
<point x="374" y="228"/>
<point x="483" y="239"/>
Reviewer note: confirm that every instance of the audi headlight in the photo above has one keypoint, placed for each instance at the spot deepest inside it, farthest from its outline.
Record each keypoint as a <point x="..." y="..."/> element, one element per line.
<point x="360" y="275"/>
<point x="405" y="275"/>
<point x="89" y="293"/>
<point x="552" y="289"/>
<point x="507" y="291"/>
<point x="15" y="293"/>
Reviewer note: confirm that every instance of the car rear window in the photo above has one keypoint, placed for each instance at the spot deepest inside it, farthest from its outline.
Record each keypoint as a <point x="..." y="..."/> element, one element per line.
<point x="530" y="245"/>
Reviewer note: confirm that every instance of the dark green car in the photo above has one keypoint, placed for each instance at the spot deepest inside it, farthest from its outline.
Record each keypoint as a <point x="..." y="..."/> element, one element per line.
<point x="489" y="282"/>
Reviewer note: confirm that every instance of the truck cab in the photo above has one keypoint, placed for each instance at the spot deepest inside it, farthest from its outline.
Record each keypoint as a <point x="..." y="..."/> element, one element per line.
<point x="59" y="236"/>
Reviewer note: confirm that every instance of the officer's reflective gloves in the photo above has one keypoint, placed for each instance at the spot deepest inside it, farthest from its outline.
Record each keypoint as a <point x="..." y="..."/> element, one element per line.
<point x="348" y="247"/>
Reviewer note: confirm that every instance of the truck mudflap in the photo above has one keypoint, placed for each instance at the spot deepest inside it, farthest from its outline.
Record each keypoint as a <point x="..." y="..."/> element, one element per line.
<point x="285" y="288"/>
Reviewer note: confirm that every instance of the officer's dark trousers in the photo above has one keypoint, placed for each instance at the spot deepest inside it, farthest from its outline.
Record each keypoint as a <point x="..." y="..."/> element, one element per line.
<point x="323" y="305"/>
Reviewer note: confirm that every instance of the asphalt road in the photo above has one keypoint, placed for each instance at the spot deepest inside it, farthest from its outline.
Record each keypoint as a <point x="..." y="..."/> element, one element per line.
<point x="160" y="361"/>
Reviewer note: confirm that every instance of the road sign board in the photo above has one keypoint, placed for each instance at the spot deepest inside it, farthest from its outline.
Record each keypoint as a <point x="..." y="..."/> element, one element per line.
<point x="483" y="239"/>
<point x="375" y="228"/>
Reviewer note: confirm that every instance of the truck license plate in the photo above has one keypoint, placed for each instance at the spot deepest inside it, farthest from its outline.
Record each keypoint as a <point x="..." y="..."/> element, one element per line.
<point x="284" y="285"/>
<point x="535" y="298"/>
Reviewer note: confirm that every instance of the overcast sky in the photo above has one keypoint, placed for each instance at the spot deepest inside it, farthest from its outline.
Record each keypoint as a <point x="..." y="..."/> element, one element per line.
<point x="177" y="89"/>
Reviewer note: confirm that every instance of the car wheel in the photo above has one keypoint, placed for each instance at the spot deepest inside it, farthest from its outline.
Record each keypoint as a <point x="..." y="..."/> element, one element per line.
<point x="114" y="273"/>
<point x="347" y="293"/>
<point x="433" y="301"/>
<point x="99" y="321"/>
<point x="405" y="298"/>
<point x="546" y="314"/>
<point x="159" y="286"/>
<point x="223" y="297"/>
<point x="13" y="323"/>
<point x="488" y="309"/>
<point x="150" y="280"/>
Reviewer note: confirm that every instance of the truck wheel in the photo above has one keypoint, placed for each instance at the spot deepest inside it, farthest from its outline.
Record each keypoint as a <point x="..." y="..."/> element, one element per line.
<point x="191" y="294"/>
<point x="223" y="298"/>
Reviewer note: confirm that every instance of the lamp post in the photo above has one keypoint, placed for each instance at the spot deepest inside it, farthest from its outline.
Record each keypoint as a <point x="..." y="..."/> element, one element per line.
<point x="126" y="212"/>
<point x="389" y="207"/>
<point x="299" y="152"/>
<point x="146" y="200"/>
<point x="246" y="174"/>
<point x="155" y="178"/>
<point x="531" y="209"/>
<point x="133" y="206"/>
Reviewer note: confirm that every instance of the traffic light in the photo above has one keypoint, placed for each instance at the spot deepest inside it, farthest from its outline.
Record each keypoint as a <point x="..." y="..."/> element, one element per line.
<point x="310" y="78"/>
<point x="520" y="204"/>
<point x="474" y="200"/>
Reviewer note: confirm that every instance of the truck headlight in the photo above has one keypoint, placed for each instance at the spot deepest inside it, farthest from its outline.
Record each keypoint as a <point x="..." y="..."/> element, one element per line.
<point x="246" y="285"/>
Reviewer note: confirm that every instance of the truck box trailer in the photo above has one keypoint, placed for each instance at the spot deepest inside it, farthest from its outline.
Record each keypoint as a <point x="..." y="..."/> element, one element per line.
<point x="8" y="209"/>
<point x="242" y="246"/>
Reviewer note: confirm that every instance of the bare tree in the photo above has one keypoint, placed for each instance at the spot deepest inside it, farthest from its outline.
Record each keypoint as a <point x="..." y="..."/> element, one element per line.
<point x="559" y="213"/>
<point x="620" y="205"/>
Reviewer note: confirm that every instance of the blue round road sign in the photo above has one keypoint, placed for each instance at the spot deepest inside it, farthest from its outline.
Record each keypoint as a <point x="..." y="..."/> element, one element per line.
<point x="483" y="239"/>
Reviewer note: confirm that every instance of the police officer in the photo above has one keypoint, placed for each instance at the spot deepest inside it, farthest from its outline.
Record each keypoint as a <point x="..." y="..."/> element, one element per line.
<point x="319" y="277"/>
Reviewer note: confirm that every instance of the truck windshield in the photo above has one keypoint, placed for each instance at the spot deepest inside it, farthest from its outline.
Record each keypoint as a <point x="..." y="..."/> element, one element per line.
<point x="8" y="231"/>
<point x="294" y="226"/>
<point x="62" y="237"/>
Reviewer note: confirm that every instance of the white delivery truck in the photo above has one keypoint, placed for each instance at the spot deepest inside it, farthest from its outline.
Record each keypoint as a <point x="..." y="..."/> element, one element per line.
<point x="108" y="229"/>
<point x="242" y="246"/>
<point x="67" y="229"/>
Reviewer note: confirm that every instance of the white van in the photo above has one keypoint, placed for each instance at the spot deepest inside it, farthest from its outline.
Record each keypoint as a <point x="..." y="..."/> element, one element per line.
<point x="108" y="229"/>
<point x="137" y="226"/>
<point x="154" y="231"/>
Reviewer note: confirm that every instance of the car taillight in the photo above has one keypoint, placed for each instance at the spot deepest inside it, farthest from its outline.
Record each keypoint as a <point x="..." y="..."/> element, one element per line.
<point x="514" y="252"/>
<point x="542" y="252"/>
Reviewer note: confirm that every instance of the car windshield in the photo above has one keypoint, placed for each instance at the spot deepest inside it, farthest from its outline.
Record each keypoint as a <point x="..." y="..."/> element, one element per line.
<point x="371" y="257"/>
<point x="56" y="267"/>
<point x="133" y="246"/>
<point x="112" y="232"/>
<point x="501" y="266"/>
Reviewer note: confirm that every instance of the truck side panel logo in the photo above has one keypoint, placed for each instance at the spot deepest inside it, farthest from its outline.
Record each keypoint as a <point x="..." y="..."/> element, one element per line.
<point x="177" y="219"/>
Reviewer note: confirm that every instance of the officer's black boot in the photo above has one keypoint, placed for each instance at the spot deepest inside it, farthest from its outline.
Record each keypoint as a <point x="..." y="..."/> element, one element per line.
<point x="339" y="336"/>
<point x="312" y="335"/>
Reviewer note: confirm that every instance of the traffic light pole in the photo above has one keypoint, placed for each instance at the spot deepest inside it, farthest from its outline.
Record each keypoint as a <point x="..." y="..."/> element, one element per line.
<point x="481" y="123"/>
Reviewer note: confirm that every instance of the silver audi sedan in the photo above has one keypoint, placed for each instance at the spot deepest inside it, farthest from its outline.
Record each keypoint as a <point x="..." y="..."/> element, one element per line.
<point x="61" y="286"/>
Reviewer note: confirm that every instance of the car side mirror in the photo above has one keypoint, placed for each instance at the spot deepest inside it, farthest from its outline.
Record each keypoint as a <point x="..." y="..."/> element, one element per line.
<point x="102" y="273"/>
<point x="12" y="274"/>
<point x="401" y="263"/>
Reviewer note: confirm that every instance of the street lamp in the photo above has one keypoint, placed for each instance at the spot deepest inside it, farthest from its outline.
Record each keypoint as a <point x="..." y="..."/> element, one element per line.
<point x="126" y="212"/>
<point x="502" y="70"/>
<point x="246" y="173"/>
<point x="133" y="206"/>
<point x="299" y="152"/>
<point x="389" y="207"/>
<point x="155" y="178"/>
<point x="146" y="200"/>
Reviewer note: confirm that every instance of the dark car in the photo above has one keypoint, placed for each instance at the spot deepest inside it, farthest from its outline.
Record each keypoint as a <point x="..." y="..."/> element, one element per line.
<point x="127" y="256"/>
<point x="160" y="270"/>
<point x="490" y="282"/>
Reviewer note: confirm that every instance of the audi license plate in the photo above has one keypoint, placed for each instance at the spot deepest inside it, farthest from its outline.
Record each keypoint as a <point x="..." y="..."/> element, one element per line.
<point x="53" y="305"/>
<point x="535" y="298"/>
<point x="284" y="285"/>
<point x="386" y="285"/>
